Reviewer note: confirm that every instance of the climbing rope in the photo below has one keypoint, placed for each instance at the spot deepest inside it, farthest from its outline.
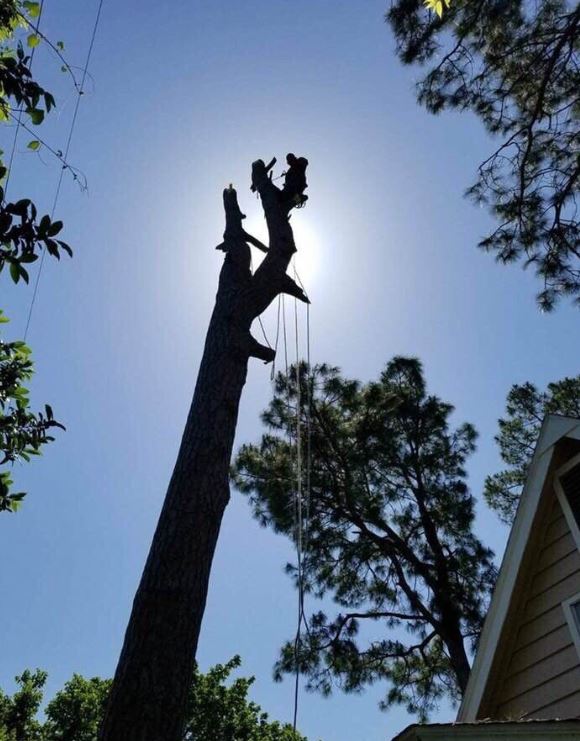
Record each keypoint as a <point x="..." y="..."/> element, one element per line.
<point x="300" y="503"/>
<point x="301" y="464"/>
<point x="299" y="523"/>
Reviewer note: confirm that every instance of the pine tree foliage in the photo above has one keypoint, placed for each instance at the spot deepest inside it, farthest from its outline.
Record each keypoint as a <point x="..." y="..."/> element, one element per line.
<point x="526" y="408"/>
<point x="515" y="64"/>
<point x="389" y="536"/>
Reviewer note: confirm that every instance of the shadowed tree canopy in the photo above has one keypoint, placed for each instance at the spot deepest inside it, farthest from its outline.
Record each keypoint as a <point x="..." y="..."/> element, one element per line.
<point x="515" y="64"/>
<point x="390" y="531"/>
<point x="526" y="408"/>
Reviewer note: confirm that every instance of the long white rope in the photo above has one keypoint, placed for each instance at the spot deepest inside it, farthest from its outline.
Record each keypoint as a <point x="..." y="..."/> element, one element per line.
<point x="301" y="493"/>
<point x="298" y="506"/>
<point x="300" y="502"/>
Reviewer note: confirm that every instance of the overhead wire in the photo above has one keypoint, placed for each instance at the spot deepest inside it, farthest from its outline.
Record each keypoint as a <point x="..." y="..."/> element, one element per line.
<point x="18" y="118"/>
<point x="64" y="167"/>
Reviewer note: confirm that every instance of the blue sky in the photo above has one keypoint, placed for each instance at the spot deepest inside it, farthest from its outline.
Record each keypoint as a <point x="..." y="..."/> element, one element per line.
<point x="185" y="96"/>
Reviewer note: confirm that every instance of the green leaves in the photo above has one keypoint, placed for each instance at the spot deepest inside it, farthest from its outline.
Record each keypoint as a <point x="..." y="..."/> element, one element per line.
<point x="526" y="406"/>
<point x="9" y="502"/>
<point x="22" y="239"/>
<point x="472" y="56"/>
<point x="22" y="433"/>
<point x="218" y="708"/>
<point x="36" y="115"/>
<point x="32" y="8"/>
<point x="437" y="5"/>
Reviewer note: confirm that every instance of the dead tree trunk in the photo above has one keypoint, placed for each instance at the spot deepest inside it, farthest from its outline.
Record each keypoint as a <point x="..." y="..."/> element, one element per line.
<point x="149" y="692"/>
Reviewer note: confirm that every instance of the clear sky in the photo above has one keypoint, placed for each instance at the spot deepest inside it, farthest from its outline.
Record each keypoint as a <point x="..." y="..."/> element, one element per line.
<point x="185" y="96"/>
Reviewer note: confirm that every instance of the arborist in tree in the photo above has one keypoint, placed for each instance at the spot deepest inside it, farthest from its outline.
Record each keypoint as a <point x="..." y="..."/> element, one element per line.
<point x="295" y="181"/>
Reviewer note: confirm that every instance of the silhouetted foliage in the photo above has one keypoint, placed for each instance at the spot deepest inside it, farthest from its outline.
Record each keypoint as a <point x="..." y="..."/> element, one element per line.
<point x="389" y="536"/>
<point x="515" y="65"/>
<point x="526" y="408"/>
<point x="22" y="238"/>
<point x="218" y="710"/>
<point x="22" y="433"/>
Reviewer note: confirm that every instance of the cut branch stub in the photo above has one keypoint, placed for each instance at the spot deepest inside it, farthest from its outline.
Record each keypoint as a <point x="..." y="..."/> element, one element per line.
<point x="243" y="296"/>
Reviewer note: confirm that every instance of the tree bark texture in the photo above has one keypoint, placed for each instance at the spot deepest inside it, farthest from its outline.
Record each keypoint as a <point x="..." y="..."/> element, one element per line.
<point x="149" y="692"/>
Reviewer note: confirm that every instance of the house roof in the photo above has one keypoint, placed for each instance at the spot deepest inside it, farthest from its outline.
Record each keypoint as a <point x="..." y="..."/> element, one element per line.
<point x="536" y="730"/>
<point x="554" y="429"/>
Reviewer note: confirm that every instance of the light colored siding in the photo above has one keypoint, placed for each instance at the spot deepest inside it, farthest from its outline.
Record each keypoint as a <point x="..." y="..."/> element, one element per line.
<point x="541" y="678"/>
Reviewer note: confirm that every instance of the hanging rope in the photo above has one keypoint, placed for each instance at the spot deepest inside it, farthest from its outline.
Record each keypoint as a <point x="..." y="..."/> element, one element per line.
<point x="273" y="371"/>
<point x="65" y="156"/>
<point x="301" y="494"/>
<point x="298" y="506"/>
<point x="310" y="390"/>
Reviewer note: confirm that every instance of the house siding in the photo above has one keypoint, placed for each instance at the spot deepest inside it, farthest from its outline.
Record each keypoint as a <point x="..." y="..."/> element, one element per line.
<point x="542" y="677"/>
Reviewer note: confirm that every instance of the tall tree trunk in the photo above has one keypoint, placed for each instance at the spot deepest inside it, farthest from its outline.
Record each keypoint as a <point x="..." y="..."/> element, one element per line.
<point x="155" y="669"/>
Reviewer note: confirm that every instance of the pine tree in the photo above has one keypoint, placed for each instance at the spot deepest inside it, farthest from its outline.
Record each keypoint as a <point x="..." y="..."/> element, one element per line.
<point x="515" y="65"/>
<point x="389" y="535"/>
<point x="526" y="408"/>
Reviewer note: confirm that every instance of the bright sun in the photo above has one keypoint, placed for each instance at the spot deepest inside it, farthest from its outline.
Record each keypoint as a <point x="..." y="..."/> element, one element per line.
<point x="306" y="260"/>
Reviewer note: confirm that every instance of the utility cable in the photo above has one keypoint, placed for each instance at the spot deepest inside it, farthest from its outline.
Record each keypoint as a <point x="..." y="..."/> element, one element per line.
<point x="65" y="156"/>
<point x="20" y="112"/>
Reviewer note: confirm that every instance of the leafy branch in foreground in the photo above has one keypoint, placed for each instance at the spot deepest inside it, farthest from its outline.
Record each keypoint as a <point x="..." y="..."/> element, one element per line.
<point x="437" y="6"/>
<point x="390" y="533"/>
<point x="515" y="65"/>
<point x="526" y="408"/>
<point x="22" y="433"/>
<point x="23" y="236"/>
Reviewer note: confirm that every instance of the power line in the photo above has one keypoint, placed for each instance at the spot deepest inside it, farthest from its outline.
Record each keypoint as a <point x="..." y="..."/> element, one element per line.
<point x="20" y="111"/>
<point x="65" y="156"/>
